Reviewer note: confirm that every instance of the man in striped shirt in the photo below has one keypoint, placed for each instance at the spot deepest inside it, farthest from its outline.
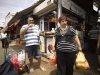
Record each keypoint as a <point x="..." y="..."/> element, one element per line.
<point x="31" y="35"/>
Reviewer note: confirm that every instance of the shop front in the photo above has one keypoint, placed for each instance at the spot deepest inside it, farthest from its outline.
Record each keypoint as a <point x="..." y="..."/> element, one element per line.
<point x="48" y="11"/>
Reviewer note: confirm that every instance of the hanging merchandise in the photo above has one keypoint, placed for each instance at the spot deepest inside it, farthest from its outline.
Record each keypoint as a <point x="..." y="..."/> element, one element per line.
<point x="53" y="20"/>
<point x="81" y="27"/>
<point x="50" y="20"/>
<point x="63" y="14"/>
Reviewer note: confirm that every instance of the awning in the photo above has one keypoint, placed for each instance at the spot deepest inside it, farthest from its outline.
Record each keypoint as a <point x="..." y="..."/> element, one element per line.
<point x="18" y="15"/>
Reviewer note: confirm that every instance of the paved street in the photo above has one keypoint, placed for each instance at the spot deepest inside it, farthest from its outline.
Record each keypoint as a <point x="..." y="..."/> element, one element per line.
<point x="92" y="59"/>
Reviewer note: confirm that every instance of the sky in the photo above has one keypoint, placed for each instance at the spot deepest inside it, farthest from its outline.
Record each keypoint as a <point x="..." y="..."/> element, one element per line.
<point x="14" y="6"/>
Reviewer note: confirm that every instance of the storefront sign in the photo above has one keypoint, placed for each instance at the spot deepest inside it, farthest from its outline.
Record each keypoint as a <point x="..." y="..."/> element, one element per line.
<point x="66" y="4"/>
<point x="70" y="5"/>
<point x="44" y="7"/>
<point x="49" y="2"/>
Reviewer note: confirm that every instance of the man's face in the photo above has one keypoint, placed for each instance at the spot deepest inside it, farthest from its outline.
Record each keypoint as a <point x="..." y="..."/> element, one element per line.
<point x="30" y="20"/>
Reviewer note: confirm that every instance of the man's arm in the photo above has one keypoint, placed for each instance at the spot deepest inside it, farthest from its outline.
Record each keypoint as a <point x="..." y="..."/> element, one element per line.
<point x="23" y="31"/>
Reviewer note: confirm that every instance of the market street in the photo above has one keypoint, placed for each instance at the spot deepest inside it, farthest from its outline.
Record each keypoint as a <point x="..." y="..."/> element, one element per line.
<point x="92" y="59"/>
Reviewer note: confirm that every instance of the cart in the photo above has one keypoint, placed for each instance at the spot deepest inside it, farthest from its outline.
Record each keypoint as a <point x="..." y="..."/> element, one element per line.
<point x="15" y="52"/>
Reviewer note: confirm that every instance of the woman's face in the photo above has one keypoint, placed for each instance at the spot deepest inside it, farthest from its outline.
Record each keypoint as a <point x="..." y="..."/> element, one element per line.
<point x="63" y="22"/>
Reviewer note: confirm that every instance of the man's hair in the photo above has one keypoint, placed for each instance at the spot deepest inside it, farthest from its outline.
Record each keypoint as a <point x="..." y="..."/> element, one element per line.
<point x="29" y="17"/>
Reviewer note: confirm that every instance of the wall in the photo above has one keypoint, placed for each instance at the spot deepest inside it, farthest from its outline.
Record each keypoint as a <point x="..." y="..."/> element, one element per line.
<point x="9" y="17"/>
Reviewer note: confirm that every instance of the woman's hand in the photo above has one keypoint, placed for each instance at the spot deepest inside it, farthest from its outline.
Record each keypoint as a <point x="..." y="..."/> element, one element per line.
<point x="79" y="48"/>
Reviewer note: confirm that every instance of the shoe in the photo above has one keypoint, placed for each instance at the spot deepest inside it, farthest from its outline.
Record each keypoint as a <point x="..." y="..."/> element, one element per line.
<point x="42" y="68"/>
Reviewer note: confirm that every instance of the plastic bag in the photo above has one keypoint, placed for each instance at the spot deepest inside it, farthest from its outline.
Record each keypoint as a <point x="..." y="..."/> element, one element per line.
<point x="52" y="59"/>
<point x="14" y="61"/>
<point x="81" y="61"/>
<point x="21" y="59"/>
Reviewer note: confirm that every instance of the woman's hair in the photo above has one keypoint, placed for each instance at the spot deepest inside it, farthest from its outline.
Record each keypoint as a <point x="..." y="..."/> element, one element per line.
<point x="62" y="18"/>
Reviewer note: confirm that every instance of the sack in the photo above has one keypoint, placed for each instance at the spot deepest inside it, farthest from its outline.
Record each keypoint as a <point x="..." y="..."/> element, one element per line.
<point x="81" y="61"/>
<point x="3" y="36"/>
<point x="52" y="59"/>
<point x="98" y="51"/>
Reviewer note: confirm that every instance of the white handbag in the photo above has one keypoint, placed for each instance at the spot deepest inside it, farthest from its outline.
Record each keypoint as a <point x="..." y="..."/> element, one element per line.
<point x="3" y="36"/>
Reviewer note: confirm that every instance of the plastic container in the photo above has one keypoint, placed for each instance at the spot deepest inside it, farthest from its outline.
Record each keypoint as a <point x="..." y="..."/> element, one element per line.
<point x="8" y="57"/>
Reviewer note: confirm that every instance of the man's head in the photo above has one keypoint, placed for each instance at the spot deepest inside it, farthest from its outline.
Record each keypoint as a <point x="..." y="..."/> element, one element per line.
<point x="30" y="20"/>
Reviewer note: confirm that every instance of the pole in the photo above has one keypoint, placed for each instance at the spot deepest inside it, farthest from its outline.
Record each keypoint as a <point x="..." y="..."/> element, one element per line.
<point x="59" y="10"/>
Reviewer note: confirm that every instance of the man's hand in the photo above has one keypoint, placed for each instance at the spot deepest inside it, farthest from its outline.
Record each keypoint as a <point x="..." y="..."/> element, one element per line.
<point x="30" y="25"/>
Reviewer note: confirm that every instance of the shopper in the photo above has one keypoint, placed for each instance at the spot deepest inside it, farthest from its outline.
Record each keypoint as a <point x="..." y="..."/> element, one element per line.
<point x="3" y="39"/>
<point x="31" y="35"/>
<point x="63" y="44"/>
<point x="93" y="37"/>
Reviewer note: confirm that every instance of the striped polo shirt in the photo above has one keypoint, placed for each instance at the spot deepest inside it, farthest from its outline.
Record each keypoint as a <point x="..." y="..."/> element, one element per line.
<point x="31" y="36"/>
<point x="63" y="45"/>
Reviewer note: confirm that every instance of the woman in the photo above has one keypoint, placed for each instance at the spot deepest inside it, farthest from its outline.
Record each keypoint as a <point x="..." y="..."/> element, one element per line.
<point x="63" y="44"/>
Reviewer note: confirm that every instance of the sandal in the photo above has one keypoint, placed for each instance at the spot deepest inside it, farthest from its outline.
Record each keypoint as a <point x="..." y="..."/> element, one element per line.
<point x="42" y="68"/>
<point x="98" y="69"/>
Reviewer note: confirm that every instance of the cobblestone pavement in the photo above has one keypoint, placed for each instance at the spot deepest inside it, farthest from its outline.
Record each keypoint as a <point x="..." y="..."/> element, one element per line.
<point x="51" y="70"/>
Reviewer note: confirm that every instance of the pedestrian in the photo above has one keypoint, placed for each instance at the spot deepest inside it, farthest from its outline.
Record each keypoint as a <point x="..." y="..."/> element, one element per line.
<point x="3" y="39"/>
<point x="31" y="34"/>
<point x="98" y="45"/>
<point x="64" y="45"/>
<point x="93" y="37"/>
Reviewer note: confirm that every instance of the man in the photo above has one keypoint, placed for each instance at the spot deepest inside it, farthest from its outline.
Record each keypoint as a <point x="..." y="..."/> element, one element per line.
<point x="93" y="34"/>
<point x="31" y="35"/>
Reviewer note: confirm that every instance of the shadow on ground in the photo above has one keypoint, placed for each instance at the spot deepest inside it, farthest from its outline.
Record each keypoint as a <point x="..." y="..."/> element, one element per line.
<point x="53" y="72"/>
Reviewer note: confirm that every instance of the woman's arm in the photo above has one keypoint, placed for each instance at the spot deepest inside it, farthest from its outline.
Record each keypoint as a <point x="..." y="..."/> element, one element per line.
<point x="78" y="42"/>
<point x="53" y="43"/>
